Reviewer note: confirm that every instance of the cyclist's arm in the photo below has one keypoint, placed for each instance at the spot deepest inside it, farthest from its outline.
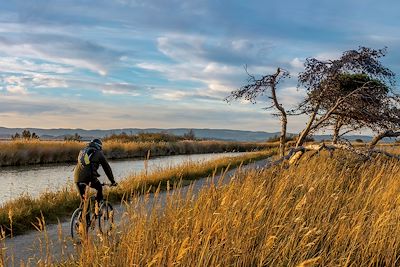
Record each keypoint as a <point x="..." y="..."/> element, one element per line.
<point x="106" y="167"/>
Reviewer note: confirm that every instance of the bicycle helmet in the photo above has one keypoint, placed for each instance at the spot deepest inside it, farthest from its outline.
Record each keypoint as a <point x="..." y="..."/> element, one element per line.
<point x="96" y="143"/>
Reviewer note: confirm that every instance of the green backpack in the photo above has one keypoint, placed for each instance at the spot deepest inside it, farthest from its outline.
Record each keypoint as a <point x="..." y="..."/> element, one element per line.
<point x="85" y="155"/>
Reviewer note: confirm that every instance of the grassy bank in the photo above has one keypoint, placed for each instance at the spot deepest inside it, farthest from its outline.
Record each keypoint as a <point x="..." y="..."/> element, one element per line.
<point x="325" y="212"/>
<point x="42" y="152"/>
<point x="17" y="215"/>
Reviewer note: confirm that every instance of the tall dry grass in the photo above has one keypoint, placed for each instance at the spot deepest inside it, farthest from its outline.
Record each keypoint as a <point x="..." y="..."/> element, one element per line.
<point x="17" y="216"/>
<point x="391" y="148"/>
<point x="326" y="212"/>
<point x="43" y="152"/>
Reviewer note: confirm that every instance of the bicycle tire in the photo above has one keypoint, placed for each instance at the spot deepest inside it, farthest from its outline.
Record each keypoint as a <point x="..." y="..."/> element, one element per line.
<point x="106" y="218"/>
<point x="74" y="223"/>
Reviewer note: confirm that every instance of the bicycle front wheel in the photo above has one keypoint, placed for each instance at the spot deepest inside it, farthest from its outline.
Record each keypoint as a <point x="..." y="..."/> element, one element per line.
<point x="106" y="218"/>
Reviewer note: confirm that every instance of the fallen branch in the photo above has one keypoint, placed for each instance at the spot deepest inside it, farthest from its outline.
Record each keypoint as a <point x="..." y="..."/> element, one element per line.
<point x="321" y="147"/>
<point x="346" y="145"/>
<point x="292" y="152"/>
<point x="387" y="154"/>
<point x="295" y="154"/>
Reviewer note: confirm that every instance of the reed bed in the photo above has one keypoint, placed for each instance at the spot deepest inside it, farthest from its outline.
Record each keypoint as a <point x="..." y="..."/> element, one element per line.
<point x="19" y="215"/>
<point x="324" y="212"/>
<point x="391" y="148"/>
<point x="14" y="153"/>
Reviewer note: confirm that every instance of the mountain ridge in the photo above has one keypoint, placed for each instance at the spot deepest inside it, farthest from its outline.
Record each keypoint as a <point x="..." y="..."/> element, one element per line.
<point x="206" y="133"/>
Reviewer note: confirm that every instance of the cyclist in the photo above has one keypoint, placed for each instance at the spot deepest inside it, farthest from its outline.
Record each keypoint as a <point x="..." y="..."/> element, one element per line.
<point x="89" y="160"/>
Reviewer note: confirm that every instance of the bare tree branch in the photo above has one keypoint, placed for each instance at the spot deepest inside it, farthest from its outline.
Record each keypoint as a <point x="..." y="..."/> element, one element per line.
<point x="379" y="137"/>
<point x="265" y="85"/>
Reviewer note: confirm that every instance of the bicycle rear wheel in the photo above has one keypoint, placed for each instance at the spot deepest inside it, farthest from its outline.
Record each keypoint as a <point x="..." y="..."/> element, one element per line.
<point x="76" y="224"/>
<point x="106" y="218"/>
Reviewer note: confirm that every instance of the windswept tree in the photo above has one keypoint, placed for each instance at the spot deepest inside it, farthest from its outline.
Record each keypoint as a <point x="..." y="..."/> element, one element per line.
<point x="369" y="104"/>
<point x="360" y="110"/>
<point x="353" y="92"/>
<point x="265" y="86"/>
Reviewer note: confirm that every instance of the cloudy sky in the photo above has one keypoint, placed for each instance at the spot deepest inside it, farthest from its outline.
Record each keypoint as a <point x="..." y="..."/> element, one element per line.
<point x="156" y="63"/>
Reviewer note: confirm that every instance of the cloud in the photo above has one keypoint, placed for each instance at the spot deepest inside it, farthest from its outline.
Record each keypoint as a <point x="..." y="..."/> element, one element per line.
<point x="194" y="117"/>
<point x="193" y="62"/>
<point x="217" y="65"/>
<point x="61" y="49"/>
<point x="215" y="84"/>
<point x="188" y="95"/>
<point x="30" y="108"/>
<point x="15" y="85"/>
<point x="171" y="95"/>
<point x="17" y="89"/>
<point x="290" y="96"/>
<point x="297" y="63"/>
<point x="23" y="65"/>
<point x="120" y="89"/>
<point x="20" y="84"/>
<point x="184" y="47"/>
<point x="45" y="81"/>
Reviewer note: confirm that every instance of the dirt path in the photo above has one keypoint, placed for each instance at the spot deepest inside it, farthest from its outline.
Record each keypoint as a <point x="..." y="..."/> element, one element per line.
<point x="55" y="239"/>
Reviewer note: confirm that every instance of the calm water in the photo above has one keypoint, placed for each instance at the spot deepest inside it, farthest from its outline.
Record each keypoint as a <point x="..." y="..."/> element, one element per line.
<point x="33" y="180"/>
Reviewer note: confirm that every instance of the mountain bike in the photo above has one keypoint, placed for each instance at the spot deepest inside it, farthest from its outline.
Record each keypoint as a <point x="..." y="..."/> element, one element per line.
<point x="101" y="214"/>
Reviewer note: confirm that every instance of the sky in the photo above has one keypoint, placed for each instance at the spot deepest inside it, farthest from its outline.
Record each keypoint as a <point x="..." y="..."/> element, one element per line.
<point x="166" y="64"/>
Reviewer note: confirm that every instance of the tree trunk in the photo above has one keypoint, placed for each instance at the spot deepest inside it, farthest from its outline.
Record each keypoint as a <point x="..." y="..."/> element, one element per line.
<point x="282" y="144"/>
<point x="336" y="131"/>
<point x="335" y="137"/>
<point x="306" y="131"/>
<point x="282" y="139"/>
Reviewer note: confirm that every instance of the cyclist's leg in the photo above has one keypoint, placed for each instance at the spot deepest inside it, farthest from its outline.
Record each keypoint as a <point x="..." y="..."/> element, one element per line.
<point x="81" y="189"/>
<point x="97" y="185"/>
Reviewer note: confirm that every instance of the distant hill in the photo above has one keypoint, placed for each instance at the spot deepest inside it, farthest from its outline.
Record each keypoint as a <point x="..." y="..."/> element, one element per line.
<point x="219" y="134"/>
<point x="216" y="134"/>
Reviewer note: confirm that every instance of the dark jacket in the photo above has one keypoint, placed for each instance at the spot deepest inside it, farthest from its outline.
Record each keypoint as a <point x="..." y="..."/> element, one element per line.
<point x="88" y="173"/>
